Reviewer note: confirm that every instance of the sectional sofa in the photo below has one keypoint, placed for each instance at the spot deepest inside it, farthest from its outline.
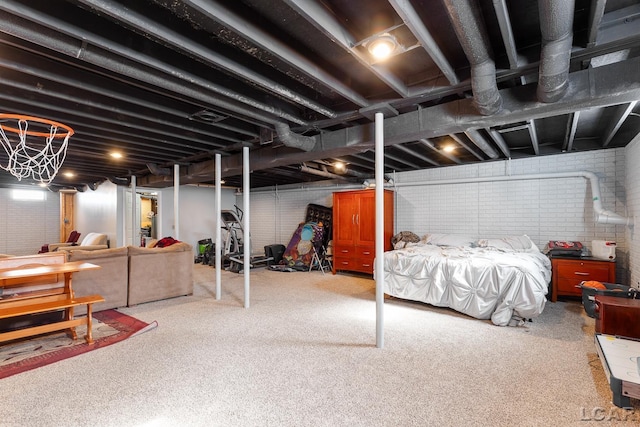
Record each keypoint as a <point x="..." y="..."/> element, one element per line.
<point x="132" y="275"/>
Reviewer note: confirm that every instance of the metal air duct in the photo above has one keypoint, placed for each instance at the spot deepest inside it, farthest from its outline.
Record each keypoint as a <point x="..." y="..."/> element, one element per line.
<point x="290" y="139"/>
<point x="556" y="25"/>
<point x="467" y="20"/>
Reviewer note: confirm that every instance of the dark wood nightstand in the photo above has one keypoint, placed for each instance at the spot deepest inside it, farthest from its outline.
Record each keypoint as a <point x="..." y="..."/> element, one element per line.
<point x="617" y="316"/>
<point x="567" y="273"/>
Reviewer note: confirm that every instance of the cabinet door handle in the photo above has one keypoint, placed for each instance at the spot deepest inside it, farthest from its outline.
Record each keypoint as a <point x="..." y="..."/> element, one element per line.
<point x="579" y="273"/>
<point x="357" y="218"/>
<point x="353" y="219"/>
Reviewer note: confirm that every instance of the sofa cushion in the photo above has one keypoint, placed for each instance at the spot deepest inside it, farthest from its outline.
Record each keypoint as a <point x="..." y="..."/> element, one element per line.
<point x="177" y="247"/>
<point x="80" y="255"/>
<point x="92" y="239"/>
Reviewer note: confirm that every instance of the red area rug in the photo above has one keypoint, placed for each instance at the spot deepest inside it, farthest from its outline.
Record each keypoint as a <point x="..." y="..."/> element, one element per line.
<point x="109" y="327"/>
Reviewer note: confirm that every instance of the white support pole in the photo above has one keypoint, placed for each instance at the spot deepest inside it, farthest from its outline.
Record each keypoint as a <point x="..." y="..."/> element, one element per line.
<point x="133" y="212"/>
<point x="246" y="224"/>
<point x="176" y="204"/>
<point x="379" y="264"/>
<point x="218" y="226"/>
<point x="123" y="223"/>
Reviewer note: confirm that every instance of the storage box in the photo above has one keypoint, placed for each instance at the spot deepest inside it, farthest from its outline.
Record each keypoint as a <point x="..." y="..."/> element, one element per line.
<point x="613" y="289"/>
<point x="603" y="249"/>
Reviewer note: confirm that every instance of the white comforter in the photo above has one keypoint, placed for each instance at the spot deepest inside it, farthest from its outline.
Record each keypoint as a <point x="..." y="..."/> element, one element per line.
<point x="486" y="283"/>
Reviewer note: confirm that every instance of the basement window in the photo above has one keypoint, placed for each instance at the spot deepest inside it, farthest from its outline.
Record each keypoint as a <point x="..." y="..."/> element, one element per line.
<point x="27" y="195"/>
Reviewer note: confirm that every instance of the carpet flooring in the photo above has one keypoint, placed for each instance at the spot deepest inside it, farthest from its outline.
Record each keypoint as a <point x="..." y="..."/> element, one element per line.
<point x="109" y="327"/>
<point x="304" y="354"/>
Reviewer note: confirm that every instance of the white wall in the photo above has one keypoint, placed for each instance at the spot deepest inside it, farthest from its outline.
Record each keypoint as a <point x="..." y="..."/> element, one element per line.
<point x="632" y="157"/>
<point x="544" y="209"/>
<point x="197" y="212"/>
<point x="275" y="215"/>
<point x="97" y="212"/>
<point x="27" y="225"/>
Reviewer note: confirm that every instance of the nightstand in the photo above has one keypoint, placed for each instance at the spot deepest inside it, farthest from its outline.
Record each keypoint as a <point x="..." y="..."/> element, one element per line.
<point x="567" y="273"/>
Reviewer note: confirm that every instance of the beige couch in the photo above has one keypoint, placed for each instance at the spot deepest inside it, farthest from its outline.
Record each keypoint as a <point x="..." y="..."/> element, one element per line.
<point x="111" y="281"/>
<point x="91" y="242"/>
<point x="132" y="275"/>
<point x="160" y="273"/>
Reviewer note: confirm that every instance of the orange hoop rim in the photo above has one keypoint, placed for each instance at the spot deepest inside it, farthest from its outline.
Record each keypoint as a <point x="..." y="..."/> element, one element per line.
<point x="68" y="130"/>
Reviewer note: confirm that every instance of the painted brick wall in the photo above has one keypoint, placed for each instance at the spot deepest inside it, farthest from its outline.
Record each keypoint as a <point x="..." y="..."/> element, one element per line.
<point x="544" y="209"/>
<point x="26" y="225"/>
<point x="632" y="156"/>
<point x="276" y="215"/>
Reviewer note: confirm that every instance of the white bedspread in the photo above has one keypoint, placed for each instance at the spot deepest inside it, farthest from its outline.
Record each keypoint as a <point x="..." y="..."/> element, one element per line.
<point x="486" y="283"/>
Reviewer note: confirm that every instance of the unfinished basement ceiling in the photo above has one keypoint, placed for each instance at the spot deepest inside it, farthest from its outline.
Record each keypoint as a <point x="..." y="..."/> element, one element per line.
<point x="174" y="82"/>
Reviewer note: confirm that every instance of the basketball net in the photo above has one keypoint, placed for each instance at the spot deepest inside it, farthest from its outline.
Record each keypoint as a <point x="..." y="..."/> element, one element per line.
<point x="35" y="147"/>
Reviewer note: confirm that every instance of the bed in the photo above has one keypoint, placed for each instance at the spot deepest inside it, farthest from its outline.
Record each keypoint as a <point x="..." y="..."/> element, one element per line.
<point x="505" y="280"/>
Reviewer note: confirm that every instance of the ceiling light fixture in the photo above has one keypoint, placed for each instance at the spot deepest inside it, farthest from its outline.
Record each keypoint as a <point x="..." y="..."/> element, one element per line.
<point x="382" y="46"/>
<point x="339" y="166"/>
<point x="448" y="148"/>
<point x="116" y="155"/>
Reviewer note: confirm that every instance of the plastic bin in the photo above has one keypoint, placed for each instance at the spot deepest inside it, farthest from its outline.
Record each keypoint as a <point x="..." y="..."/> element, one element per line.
<point x="613" y="289"/>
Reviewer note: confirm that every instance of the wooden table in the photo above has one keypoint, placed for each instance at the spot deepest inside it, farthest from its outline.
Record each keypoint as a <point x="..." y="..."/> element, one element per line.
<point x="44" y="301"/>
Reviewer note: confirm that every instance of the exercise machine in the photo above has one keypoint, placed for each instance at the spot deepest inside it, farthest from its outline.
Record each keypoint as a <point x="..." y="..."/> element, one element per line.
<point x="234" y="245"/>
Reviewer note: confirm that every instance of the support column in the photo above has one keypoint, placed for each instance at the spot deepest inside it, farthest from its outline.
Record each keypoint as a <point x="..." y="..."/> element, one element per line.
<point x="246" y="224"/>
<point x="218" y="213"/>
<point x="176" y="204"/>
<point x="133" y="212"/>
<point x="379" y="264"/>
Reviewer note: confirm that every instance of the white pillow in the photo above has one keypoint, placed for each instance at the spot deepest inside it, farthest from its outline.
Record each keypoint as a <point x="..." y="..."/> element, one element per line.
<point x="511" y="243"/>
<point x="94" y="239"/>
<point x="448" y="240"/>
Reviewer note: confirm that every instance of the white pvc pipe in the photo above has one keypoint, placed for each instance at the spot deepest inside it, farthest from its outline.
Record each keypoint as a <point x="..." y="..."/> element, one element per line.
<point x="379" y="260"/>
<point x="176" y="204"/>
<point x="218" y="214"/>
<point x="246" y="223"/>
<point x="602" y="215"/>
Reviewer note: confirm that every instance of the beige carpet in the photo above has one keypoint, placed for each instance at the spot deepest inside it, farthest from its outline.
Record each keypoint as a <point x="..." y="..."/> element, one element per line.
<point x="304" y="355"/>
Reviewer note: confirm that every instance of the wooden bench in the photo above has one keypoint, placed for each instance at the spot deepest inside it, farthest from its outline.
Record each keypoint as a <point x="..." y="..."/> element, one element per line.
<point x="43" y="307"/>
<point x="43" y="297"/>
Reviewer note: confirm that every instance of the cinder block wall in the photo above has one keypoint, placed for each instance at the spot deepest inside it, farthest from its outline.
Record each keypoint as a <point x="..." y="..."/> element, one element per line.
<point x="276" y="215"/>
<point x="632" y="157"/>
<point x="25" y="225"/>
<point x="544" y="209"/>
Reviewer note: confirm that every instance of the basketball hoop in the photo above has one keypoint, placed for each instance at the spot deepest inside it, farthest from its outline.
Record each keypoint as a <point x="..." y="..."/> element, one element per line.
<point x="35" y="147"/>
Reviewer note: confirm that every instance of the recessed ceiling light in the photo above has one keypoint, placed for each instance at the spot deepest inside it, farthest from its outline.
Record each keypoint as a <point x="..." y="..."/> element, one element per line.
<point x="116" y="155"/>
<point x="382" y="46"/>
<point x="69" y="174"/>
<point x="448" y="148"/>
<point x="339" y="166"/>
